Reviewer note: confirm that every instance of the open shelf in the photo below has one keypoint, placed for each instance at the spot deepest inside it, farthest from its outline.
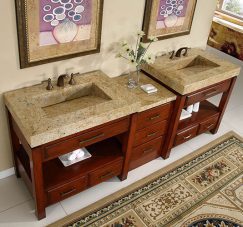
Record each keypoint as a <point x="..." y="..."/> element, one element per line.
<point x="24" y="161"/>
<point x="103" y="153"/>
<point x="206" y="111"/>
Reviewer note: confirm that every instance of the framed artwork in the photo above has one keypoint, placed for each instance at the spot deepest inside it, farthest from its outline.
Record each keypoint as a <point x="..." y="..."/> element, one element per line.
<point x="168" y="18"/>
<point x="52" y="30"/>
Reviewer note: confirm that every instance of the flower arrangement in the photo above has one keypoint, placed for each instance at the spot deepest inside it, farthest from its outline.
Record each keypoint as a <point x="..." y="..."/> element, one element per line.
<point x="137" y="56"/>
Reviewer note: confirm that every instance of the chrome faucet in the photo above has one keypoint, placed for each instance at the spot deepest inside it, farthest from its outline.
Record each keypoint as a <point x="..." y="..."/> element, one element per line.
<point x="60" y="80"/>
<point x="178" y="52"/>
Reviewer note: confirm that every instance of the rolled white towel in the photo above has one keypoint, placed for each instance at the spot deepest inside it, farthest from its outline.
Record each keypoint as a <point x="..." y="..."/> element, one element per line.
<point x="196" y="107"/>
<point x="189" y="109"/>
<point x="185" y="114"/>
<point x="80" y="154"/>
<point x="76" y="151"/>
<point x="72" y="156"/>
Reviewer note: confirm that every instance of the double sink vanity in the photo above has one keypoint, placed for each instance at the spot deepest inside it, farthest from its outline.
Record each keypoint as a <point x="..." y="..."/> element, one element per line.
<point x="121" y="128"/>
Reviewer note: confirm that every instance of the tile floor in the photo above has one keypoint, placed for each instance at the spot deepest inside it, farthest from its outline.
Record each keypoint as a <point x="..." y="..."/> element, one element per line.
<point x="17" y="206"/>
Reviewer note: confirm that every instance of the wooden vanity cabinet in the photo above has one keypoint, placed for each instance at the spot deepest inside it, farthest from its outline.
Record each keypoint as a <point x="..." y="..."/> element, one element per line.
<point x="47" y="178"/>
<point x="208" y="118"/>
<point x="150" y="132"/>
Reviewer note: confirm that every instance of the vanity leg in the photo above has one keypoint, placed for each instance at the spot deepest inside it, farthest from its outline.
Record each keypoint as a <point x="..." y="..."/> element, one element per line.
<point x="15" y="145"/>
<point x="127" y="147"/>
<point x="37" y="182"/>
<point x="223" y="104"/>
<point x="172" y="129"/>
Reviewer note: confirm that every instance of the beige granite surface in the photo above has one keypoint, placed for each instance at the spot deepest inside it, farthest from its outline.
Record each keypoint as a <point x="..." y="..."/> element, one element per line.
<point x="147" y="101"/>
<point x="44" y="116"/>
<point x="193" y="72"/>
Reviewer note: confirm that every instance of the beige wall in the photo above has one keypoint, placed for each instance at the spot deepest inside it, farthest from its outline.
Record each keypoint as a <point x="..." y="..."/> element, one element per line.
<point x="122" y="18"/>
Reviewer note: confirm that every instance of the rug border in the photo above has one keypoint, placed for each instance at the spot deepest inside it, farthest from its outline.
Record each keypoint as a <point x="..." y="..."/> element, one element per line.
<point x="116" y="195"/>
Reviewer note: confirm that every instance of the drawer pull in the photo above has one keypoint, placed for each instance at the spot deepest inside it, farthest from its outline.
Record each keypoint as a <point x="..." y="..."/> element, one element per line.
<point x="110" y="174"/>
<point x="210" y="126"/>
<point x="148" y="150"/>
<point x="68" y="192"/>
<point x="93" y="138"/>
<point x="152" y="134"/>
<point x="187" y="137"/>
<point x="212" y="93"/>
<point x="154" y="117"/>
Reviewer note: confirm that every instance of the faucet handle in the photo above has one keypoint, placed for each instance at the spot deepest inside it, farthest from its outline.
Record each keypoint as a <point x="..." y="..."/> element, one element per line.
<point x="186" y="51"/>
<point x="72" y="80"/>
<point x="49" y="85"/>
<point x="172" y="53"/>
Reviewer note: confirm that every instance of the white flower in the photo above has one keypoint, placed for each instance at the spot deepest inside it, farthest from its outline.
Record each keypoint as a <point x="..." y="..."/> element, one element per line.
<point x="127" y="49"/>
<point x="140" y="33"/>
<point x="153" y="38"/>
<point x="150" y="59"/>
<point x="132" y="60"/>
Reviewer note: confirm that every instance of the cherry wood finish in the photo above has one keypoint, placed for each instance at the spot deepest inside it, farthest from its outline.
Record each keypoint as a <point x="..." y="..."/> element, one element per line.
<point x="46" y="177"/>
<point x="223" y="104"/>
<point x="207" y="111"/>
<point x="154" y="115"/>
<point x="150" y="132"/>
<point x="207" y="93"/>
<point x="85" y="139"/>
<point x="146" y="152"/>
<point x="182" y="137"/>
<point x="208" y="124"/>
<point x="66" y="190"/>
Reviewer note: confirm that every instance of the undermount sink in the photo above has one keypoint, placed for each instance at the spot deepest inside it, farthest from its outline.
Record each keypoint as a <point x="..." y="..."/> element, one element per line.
<point x="74" y="99"/>
<point x="196" y="65"/>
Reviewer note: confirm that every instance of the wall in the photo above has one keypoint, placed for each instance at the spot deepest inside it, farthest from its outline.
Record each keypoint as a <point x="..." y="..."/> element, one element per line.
<point x="122" y="18"/>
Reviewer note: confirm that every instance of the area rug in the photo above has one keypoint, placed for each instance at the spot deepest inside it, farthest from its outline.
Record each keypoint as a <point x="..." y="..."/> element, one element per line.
<point x="204" y="189"/>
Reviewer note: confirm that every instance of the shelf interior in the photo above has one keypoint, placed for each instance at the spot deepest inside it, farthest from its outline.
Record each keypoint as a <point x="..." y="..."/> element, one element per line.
<point x="24" y="160"/>
<point x="206" y="111"/>
<point x="104" y="152"/>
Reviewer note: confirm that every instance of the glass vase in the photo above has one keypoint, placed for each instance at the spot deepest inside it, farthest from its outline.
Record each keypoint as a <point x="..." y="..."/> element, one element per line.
<point x="133" y="78"/>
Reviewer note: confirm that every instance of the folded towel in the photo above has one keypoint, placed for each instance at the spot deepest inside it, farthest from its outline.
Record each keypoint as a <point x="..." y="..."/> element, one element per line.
<point x="189" y="109"/>
<point x="185" y="115"/>
<point x="80" y="154"/>
<point x="72" y="156"/>
<point x="196" y="107"/>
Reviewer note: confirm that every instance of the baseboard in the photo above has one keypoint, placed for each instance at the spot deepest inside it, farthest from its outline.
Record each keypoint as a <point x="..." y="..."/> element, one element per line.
<point x="6" y="173"/>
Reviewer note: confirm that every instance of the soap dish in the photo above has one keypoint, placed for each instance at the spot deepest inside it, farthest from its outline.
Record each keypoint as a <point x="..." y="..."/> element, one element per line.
<point x="66" y="162"/>
<point x="149" y="88"/>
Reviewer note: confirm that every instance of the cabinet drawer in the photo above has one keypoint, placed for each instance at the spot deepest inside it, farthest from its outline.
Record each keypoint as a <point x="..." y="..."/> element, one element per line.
<point x="154" y="115"/>
<point x="208" y="124"/>
<point x="186" y="135"/>
<point x="207" y="93"/>
<point x="86" y="139"/>
<point x="69" y="189"/>
<point x="105" y="173"/>
<point x="146" y="152"/>
<point x="150" y="132"/>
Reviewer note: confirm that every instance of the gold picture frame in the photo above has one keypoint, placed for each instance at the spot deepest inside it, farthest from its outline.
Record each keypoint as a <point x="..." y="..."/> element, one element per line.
<point x="168" y="18"/>
<point x="56" y="30"/>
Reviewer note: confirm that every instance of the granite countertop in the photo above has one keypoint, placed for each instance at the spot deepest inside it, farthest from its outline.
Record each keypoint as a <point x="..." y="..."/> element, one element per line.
<point x="44" y="116"/>
<point x="147" y="101"/>
<point x="207" y="71"/>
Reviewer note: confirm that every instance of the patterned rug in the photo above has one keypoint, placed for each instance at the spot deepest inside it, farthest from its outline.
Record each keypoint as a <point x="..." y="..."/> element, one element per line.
<point x="204" y="189"/>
